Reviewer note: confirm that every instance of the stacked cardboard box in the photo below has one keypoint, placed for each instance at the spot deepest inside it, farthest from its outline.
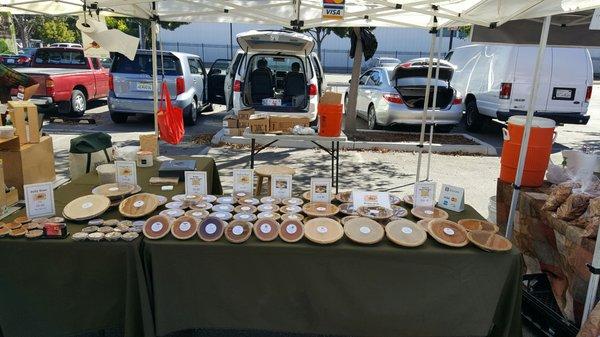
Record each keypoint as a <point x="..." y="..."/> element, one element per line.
<point x="285" y="124"/>
<point x="231" y="126"/>
<point x="259" y="123"/>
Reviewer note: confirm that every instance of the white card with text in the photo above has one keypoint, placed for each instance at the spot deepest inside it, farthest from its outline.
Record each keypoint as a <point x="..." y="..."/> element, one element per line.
<point x="424" y="194"/>
<point x="126" y="172"/>
<point x="195" y="183"/>
<point x="452" y="198"/>
<point x="243" y="181"/>
<point x="367" y="198"/>
<point x="281" y="186"/>
<point x="320" y="190"/>
<point x="39" y="200"/>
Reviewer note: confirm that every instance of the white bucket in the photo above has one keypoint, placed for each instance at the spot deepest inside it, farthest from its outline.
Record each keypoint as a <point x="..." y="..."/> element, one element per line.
<point x="107" y="173"/>
<point x="492" y="210"/>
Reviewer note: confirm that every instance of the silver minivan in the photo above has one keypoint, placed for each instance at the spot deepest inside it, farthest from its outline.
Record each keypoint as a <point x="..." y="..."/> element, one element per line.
<point x="130" y="85"/>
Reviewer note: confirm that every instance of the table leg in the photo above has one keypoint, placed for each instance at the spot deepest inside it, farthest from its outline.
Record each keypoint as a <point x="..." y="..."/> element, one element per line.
<point x="337" y="167"/>
<point x="253" y="144"/>
<point x="332" y="163"/>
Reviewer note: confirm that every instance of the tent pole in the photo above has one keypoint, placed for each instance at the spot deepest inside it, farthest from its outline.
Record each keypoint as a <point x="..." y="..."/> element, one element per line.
<point x="435" y="92"/>
<point x="526" y="133"/>
<point x="590" y="298"/>
<point x="154" y="76"/>
<point x="426" y="102"/>
<point x="350" y="120"/>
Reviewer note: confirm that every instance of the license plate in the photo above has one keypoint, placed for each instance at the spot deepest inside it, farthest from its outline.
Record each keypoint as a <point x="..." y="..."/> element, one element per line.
<point x="144" y="86"/>
<point x="10" y="61"/>
<point x="563" y="94"/>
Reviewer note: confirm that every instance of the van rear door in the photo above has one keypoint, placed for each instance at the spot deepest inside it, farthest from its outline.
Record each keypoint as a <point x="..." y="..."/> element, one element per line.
<point x="568" y="85"/>
<point x="523" y="78"/>
<point x="132" y="79"/>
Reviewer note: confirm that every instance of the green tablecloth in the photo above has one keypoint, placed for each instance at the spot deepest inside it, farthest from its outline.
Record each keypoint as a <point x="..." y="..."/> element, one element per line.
<point x="62" y="287"/>
<point x="342" y="289"/>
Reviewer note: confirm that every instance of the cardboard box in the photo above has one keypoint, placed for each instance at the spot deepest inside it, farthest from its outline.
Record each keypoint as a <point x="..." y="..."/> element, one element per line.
<point x="231" y="132"/>
<point x="244" y="114"/>
<point x="25" y="118"/>
<point x="12" y="197"/>
<point x="286" y="123"/>
<point x="3" y="203"/>
<point x="149" y="143"/>
<point x="330" y="97"/>
<point x="27" y="164"/>
<point x="259" y="123"/>
<point x="243" y="123"/>
<point x="230" y="122"/>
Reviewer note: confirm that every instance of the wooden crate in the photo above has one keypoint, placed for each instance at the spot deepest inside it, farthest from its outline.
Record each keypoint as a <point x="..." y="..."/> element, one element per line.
<point x="26" y="121"/>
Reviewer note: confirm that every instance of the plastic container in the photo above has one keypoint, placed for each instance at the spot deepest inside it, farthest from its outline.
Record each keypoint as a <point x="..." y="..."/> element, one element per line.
<point x="107" y="173"/>
<point x="7" y="132"/>
<point x="538" y="153"/>
<point x="330" y="119"/>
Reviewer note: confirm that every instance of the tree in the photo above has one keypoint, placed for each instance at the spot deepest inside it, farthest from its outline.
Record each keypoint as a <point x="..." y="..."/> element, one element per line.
<point x="57" y="30"/>
<point x="26" y="25"/>
<point x="135" y="26"/>
<point x="320" y="33"/>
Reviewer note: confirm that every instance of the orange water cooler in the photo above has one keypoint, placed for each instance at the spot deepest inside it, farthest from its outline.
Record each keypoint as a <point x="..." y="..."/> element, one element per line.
<point x="538" y="152"/>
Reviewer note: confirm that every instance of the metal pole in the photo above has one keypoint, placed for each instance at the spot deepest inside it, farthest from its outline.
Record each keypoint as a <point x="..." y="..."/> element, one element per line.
<point x="426" y="103"/>
<point x="590" y="298"/>
<point x="231" y="41"/>
<point x="526" y="133"/>
<point x="435" y="92"/>
<point x="154" y="75"/>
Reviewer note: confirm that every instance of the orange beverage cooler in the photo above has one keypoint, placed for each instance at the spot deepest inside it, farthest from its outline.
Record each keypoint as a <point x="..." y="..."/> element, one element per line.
<point x="538" y="152"/>
<point x="330" y="114"/>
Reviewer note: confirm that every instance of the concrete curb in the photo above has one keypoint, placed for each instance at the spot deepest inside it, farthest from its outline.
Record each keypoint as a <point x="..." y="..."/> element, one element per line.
<point x="482" y="148"/>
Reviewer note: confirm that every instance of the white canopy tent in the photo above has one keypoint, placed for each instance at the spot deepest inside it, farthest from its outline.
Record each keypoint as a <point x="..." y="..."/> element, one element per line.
<point x="427" y="14"/>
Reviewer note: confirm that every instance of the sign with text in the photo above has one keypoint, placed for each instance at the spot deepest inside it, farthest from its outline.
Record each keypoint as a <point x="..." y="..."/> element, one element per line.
<point x="320" y="189"/>
<point x="452" y="198"/>
<point x="333" y="9"/>
<point x="39" y="200"/>
<point x="281" y="186"/>
<point x="126" y="172"/>
<point x="424" y="194"/>
<point x="243" y="181"/>
<point x="367" y="198"/>
<point x="195" y="183"/>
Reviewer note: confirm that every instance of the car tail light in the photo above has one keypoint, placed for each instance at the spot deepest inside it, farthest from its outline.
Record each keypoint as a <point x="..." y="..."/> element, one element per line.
<point x="111" y="83"/>
<point x="505" y="89"/>
<point x="588" y="94"/>
<point x="393" y="98"/>
<point x="180" y="85"/>
<point x="312" y="90"/>
<point x="237" y="86"/>
<point x="49" y="87"/>
<point x="23" y="60"/>
<point x="406" y="65"/>
<point x="457" y="99"/>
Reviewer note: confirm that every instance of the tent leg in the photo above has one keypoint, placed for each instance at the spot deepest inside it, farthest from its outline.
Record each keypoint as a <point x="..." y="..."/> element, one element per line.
<point x="425" y="106"/>
<point x="435" y="92"/>
<point x="350" y="120"/>
<point x="154" y="75"/>
<point x="590" y="298"/>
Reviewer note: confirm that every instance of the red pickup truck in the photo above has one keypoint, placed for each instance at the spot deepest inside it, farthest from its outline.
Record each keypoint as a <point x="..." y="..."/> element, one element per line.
<point x="68" y="79"/>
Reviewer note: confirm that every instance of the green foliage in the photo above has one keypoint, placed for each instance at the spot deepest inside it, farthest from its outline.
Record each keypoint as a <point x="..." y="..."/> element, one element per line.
<point x="57" y="30"/>
<point x="132" y="26"/>
<point x="464" y="32"/>
<point x="4" y="49"/>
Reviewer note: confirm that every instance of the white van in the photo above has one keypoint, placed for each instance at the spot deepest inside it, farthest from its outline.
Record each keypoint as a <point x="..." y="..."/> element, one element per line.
<point x="496" y="82"/>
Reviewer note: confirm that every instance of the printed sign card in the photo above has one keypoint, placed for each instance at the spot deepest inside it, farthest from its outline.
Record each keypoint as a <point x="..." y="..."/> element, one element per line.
<point x="281" y="186"/>
<point x="320" y="190"/>
<point x="195" y="183"/>
<point x="366" y="198"/>
<point x="39" y="200"/>
<point x="243" y="180"/>
<point x="126" y="172"/>
<point x="452" y="198"/>
<point x="424" y="194"/>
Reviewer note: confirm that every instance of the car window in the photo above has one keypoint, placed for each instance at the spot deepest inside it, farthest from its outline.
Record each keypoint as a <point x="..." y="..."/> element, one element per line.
<point x="448" y="56"/>
<point x="363" y="79"/>
<point x="142" y="63"/>
<point x="194" y="66"/>
<point x="96" y="63"/>
<point x="221" y="66"/>
<point x="374" y="79"/>
<point x="51" y="57"/>
<point x="234" y="66"/>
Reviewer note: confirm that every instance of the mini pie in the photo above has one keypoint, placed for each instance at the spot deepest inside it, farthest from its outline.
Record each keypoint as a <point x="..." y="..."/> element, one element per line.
<point x="320" y="209"/>
<point x="344" y="197"/>
<point x="4" y="231"/>
<point x="249" y="201"/>
<point x="405" y="233"/>
<point x="292" y="216"/>
<point x="292" y="201"/>
<point x="13" y="225"/>
<point x="17" y="232"/>
<point x="172" y="213"/>
<point x="33" y="226"/>
<point x="238" y="231"/>
<point x="242" y="194"/>
<point x="162" y="200"/>
<point x="211" y="229"/>
<point x="111" y="222"/>
<point x="34" y="234"/>
<point x="394" y="200"/>
<point x="197" y="213"/>
<point x="226" y="200"/>
<point x="268" y="215"/>
<point x="266" y="229"/>
<point x="424" y="212"/>
<point x="222" y="215"/>
<point x="245" y="217"/>
<point x="96" y="236"/>
<point x="129" y="236"/>
<point x="268" y="208"/>
<point x="208" y="198"/>
<point x="399" y="212"/>
<point x="476" y="224"/>
<point x="290" y="209"/>
<point x="114" y="236"/>
<point x="245" y="209"/>
<point x="90" y="229"/>
<point x="364" y="230"/>
<point x="226" y="208"/>
<point x="174" y="204"/>
<point x="375" y="212"/>
<point x="21" y="219"/>
<point x="96" y="222"/>
<point x="80" y="236"/>
<point x="323" y="230"/>
<point x="184" y="227"/>
<point x="201" y="205"/>
<point x="291" y="230"/>
<point x="156" y="227"/>
<point x="105" y="229"/>
<point x="408" y="199"/>
<point x="448" y="233"/>
<point x="270" y="200"/>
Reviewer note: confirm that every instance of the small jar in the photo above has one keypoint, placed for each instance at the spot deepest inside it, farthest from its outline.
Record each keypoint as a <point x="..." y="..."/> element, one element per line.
<point x="144" y="159"/>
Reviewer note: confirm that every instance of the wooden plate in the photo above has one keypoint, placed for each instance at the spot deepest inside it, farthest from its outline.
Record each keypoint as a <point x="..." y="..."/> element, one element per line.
<point x="245" y="209"/>
<point x="489" y="241"/>
<point x="375" y="212"/>
<point x="448" y="233"/>
<point x="86" y="207"/>
<point x="266" y="229"/>
<point x="320" y="209"/>
<point x="424" y="223"/>
<point x="156" y="227"/>
<point x="347" y="218"/>
<point x="364" y="230"/>
<point x="291" y="230"/>
<point x="211" y="229"/>
<point x="114" y="190"/>
<point x="292" y="216"/>
<point x="348" y="209"/>
<point x="405" y="233"/>
<point x="138" y="205"/>
<point x="478" y="225"/>
<point x="429" y="213"/>
<point x="184" y="227"/>
<point x="238" y="231"/>
<point x="344" y="197"/>
<point x="323" y="230"/>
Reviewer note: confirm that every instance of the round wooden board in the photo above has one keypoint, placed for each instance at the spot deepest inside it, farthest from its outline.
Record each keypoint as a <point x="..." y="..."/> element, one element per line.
<point x="489" y="241"/>
<point x="184" y="227"/>
<point x="138" y="205"/>
<point x="478" y="225"/>
<point x="86" y="207"/>
<point x="238" y="231"/>
<point x="114" y="190"/>
<point x="375" y="212"/>
<point x="448" y="233"/>
<point x="266" y="229"/>
<point x="320" y="209"/>
<point x="429" y="213"/>
<point x="323" y="230"/>
<point x="211" y="229"/>
<point x="291" y="230"/>
<point x="406" y="233"/>
<point x="364" y="230"/>
<point x="156" y="227"/>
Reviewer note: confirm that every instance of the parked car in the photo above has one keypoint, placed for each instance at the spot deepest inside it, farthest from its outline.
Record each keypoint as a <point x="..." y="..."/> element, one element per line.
<point x="12" y="61"/>
<point x="275" y="72"/>
<point x="496" y="81"/>
<point x="66" y="45"/>
<point x="396" y="95"/>
<point x="131" y="84"/>
<point x="385" y="62"/>
<point x="67" y="79"/>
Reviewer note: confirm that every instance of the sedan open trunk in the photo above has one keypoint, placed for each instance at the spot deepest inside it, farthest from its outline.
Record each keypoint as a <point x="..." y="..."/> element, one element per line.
<point x="410" y="80"/>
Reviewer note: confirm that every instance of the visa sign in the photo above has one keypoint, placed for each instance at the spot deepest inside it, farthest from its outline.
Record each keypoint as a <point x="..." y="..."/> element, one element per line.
<point x="333" y="9"/>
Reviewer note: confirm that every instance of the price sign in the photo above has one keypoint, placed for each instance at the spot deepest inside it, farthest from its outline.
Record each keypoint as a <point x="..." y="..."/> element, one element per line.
<point x="126" y="172"/>
<point x="39" y="200"/>
<point x="320" y="189"/>
<point x="452" y="198"/>
<point x="281" y="186"/>
<point x="424" y="194"/>
<point x="195" y="183"/>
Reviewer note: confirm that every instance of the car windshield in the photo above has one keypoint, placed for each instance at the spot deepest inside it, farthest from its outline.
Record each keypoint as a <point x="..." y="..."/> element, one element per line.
<point x="142" y="64"/>
<point x="60" y="58"/>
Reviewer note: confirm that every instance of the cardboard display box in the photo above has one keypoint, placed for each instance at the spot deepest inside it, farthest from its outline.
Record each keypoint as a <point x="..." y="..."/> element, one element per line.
<point x="27" y="164"/>
<point x="230" y="122"/>
<point x="244" y="114"/>
<point x="231" y="132"/>
<point x="259" y="123"/>
<point x="286" y="123"/>
<point x="149" y="143"/>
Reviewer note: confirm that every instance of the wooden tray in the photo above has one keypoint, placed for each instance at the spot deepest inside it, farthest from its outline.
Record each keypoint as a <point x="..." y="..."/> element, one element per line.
<point x="211" y="229"/>
<point x="405" y="233"/>
<point x="478" y="225"/>
<point x="323" y="230"/>
<point x="114" y="190"/>
<point x="364" y="231"/>
<point x="266" y="229"/>
<point x="184" y="228"/>
<point x="291" y="230"/>
<point x="238" y="231"/>
<point x="448" y="233"/>
<point x="86" y="207"/>
<point x="429" y="213"/>
<point x="320" y="209"/>
<point x="156" y="227"/>
<point x="138" y="205"/>
<point x="489" y="241"/>
<point x="348" y="209"/>
<point x="375" y="212"/>
<point x="347" y="218"/>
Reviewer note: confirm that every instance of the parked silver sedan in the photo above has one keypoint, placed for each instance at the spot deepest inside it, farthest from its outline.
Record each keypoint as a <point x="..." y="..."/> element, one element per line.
<point x="388" y="96"/>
